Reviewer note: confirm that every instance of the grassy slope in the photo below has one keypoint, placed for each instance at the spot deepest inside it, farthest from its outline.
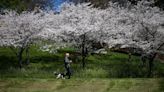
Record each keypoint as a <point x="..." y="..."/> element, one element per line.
<point x="81" y="85"/>
<point x="97" y="77"/>
<point x="43" y="64"/>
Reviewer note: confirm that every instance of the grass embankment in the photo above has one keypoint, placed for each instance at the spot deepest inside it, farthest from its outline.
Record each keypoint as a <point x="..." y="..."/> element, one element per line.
<point x="96" y="77"/>
<point x="43" y="64"/>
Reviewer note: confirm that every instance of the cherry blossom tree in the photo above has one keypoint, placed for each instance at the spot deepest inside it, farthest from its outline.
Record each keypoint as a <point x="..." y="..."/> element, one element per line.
<point x="150" y="33"/>
<point x="71" y="26"/>
<point x="83" y="24"/>
<point x="145" y="30"/>
<point x="80" y="24"/>
<point x="18" y="31"/>
<point x="136" y="26"/>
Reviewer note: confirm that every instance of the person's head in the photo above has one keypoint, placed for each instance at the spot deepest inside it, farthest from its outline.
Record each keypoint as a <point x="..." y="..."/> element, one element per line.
<point x="67" y="54"/>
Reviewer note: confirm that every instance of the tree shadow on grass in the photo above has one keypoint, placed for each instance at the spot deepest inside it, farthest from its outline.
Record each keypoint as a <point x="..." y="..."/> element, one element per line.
<point x="7" y="62"/>
<point x="45" y="59"/>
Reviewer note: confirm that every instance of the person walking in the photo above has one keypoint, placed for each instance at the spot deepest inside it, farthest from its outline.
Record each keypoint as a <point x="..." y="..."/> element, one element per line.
<point x="67" y="65"/>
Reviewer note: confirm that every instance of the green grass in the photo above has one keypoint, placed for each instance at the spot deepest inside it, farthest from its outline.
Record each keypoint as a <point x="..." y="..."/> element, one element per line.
<point x="81" y="85"/>
<point x="103" y="73"/>
<point x="43" y="64"/>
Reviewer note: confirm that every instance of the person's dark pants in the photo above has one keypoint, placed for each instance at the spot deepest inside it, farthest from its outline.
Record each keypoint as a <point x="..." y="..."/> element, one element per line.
<point x="68" y="73"/>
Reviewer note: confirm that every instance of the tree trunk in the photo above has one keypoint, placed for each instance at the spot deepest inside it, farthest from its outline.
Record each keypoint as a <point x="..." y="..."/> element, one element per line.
<point x="83" y="61"/>
<point x="129" y="57"/>
<point x="83" y="51"/>
<point x="143" y="60"/>
<point x="128" y="64"/>
<point x="20" y="53"/>
<point x="27" y="56"/>
<point x="151" y="64"/>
